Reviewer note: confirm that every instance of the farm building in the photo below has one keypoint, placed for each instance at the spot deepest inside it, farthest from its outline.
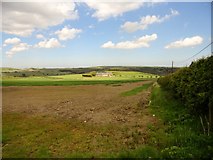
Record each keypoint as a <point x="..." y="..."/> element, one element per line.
<point x="104" y="74"/>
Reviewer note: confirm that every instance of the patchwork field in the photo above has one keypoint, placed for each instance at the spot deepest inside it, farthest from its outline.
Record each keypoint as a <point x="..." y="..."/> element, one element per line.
<point x="74" y="121"/>
<point x="124" y="115"/>
<point x="76" y="79"/>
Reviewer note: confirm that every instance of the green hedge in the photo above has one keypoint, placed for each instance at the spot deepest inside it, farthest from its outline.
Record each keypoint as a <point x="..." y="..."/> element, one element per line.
<point x="193" y="85"/>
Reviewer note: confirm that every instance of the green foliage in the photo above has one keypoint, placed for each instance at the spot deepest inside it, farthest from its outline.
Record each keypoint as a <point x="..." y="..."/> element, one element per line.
<point x="66" y="71"/>
<point x="24" y="75"/>
<point x="192" y="85"/>
<point x="141" y="152"/>
<point x="93" y="73"/>
<point x="86" y="75"/>
<point x="178" y="134"/>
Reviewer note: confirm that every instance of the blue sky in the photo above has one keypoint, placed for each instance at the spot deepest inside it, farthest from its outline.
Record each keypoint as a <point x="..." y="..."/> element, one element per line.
<point x="97" y="34"/>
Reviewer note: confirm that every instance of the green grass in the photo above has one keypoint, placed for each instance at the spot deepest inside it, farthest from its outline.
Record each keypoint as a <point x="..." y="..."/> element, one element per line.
<point x="141" y="152"/>
<point x="132" y="74"/>
<point x="178" y="134"/>
<point x="136" y="90"/>
<point x="75" y="79"/>
<point x="23" y="137"/>
<point x="56" y="138"/>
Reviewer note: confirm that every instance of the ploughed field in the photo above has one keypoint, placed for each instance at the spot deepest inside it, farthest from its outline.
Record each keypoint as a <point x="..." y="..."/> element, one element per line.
<point x="75" y="121"/>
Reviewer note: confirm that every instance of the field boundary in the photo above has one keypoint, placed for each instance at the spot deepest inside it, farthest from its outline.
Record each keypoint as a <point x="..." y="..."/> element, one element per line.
<point x="67" y="83"/>
<point x="136" y="90"/>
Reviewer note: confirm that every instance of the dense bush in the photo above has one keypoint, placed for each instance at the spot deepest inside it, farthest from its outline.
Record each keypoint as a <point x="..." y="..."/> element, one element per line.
<point x="86" y="75"/>
<point x="193" y="85"/>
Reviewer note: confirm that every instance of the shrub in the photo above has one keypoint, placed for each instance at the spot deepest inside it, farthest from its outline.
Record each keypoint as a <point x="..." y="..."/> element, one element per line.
<point x="192" y="85"/>
<point x="93" y="73"/>
<point x="86" y="75"/>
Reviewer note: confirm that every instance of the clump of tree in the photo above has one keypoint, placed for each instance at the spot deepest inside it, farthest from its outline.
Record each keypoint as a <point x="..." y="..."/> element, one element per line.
<point x="193" y="85"/>
<point x="93" y="73"/>
<point x="86" y="75"/>
<point x="24" y="75"/>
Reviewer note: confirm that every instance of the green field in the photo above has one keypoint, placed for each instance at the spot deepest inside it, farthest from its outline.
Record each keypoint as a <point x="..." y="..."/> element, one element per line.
<point x="27" y="72"/>
<point x="76" y="79"/>
<point x="137" y="90"/>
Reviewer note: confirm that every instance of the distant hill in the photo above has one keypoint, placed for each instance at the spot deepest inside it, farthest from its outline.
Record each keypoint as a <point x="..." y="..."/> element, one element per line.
<point x="7" y="69"/>
<point x="153" y="70"/>
<point x="64" y="71"/>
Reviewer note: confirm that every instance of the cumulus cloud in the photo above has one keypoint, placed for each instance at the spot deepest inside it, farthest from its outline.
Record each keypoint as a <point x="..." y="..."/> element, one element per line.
<point x="146" y="21"/>
<point x="22" y="18"/>
<point x="138" y="43"/>
<point x="14" y="40"/>
<point x="51" y="43"/>
<point x="187" y="42"/>
<point x="67" y="33"/>
<point x="105" y="10"/>
<point x="19" y="47"/>
<point x="40" y="36"/>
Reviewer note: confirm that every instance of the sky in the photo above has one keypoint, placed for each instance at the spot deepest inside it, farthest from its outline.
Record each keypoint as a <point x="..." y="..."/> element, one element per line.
<point x="91" y="33"/>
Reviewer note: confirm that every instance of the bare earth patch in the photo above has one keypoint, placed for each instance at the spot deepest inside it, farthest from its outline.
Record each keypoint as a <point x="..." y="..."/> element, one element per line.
<point x="95" y="118"/>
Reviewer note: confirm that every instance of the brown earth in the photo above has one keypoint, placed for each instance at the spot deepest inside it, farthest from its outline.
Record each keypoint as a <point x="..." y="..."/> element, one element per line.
<point x="92" y="105"/>
<point x="97" y="104"/>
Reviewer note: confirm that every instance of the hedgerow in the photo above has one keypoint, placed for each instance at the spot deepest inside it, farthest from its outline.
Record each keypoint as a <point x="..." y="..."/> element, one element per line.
<point x="193" y="85"/>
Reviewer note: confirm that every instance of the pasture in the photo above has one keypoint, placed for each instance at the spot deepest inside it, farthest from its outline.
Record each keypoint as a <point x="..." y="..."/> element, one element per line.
<point x="76" y="79"/>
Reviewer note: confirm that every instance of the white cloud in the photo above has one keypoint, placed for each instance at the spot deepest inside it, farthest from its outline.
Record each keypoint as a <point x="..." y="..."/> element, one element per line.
<point x="11" y="41"/>
<point x="91" y="26"/>
<point x="108" y="44"/>
<point x="40" y="36"/>
<point x="17" y="48"/>
<point x="51" y="43"/>
<point x="138" y="43"/>
<point x="23" y="18"/>
<point x="187" y="42"/>
<point x="67" y="33"/>
<point x="146" y="21"/>
<point x="105" y="10"/>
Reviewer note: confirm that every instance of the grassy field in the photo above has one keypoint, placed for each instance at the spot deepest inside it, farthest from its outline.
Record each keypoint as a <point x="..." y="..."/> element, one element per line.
<point x="77" y="79"/>
<point x="65" y="71"/>
<point x="136" y="90"/>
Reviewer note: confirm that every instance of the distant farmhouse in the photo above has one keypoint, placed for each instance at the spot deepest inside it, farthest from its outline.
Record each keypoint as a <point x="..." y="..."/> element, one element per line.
<point x="104" y="74"/>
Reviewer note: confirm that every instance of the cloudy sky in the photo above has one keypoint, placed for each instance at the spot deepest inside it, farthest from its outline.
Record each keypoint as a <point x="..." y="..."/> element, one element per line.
<point x="81" y="34"/>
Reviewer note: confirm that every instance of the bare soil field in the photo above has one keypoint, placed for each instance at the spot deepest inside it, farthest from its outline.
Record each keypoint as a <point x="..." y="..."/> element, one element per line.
<point x="65" y="121"/>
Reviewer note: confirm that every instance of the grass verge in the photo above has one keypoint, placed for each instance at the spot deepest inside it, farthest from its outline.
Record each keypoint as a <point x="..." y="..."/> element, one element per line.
<point x="136" y="90"/>
<point x="178" y="134"/>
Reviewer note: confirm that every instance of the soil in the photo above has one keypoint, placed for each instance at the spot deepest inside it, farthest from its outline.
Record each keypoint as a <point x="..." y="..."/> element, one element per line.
<point x="97" y="105"/>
